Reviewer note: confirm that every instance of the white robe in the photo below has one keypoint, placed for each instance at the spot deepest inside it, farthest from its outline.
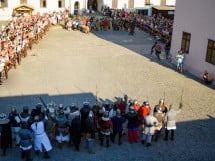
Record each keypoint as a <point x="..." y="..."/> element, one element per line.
<point x="40" y="137"/>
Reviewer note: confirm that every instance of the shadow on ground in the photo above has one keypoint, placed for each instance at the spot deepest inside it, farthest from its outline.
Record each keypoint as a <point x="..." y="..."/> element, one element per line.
<point x="194" y="139"/>
<point x="141" y="44"/>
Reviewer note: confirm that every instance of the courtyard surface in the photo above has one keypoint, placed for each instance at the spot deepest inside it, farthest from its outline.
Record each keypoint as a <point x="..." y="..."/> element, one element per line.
<point x="72" y="67"/>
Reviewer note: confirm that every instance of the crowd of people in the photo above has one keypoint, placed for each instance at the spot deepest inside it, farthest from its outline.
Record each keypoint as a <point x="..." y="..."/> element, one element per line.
<point x="37" y="129"/>
<point x="19" y="35"/>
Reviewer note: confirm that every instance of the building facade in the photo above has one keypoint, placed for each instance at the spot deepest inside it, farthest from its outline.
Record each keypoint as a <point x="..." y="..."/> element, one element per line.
<point x="7" y="6"/>
<point x="193" y="31"/>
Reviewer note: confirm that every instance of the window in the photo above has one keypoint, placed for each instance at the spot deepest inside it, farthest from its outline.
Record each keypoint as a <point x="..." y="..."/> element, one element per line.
<point x="23" y="1"/>
<point x="3" y="3"/>
<point x="210" y="55"/>
<point x="61" y="3"/>
<point x="185" y="43"/>
<point x="43" y="3"/>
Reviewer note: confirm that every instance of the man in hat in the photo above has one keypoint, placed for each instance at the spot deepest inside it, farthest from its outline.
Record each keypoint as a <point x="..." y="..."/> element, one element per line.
<point x="41" y="140"/>
<point x="6" y="134"/>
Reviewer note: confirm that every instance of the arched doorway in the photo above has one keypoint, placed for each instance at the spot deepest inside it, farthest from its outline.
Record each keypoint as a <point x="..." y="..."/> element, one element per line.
<point x="76" y="7"/>
<point x="93" y="4"/>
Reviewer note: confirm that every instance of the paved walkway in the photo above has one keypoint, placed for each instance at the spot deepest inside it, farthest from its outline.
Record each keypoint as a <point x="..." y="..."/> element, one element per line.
<point x="69" y="67"/>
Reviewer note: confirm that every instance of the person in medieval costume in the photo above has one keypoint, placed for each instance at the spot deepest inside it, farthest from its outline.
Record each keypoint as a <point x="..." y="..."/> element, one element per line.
<point x="105" y="129"/>
<point x="25" y="116"/>
<point x="26" y="141"/>
<point x="159" y="114"/>
<point x="90" y="132"/>
<point x="75" y="131"/>
<point x="143" y="112"/>
<point x="84" y="114"/>
<point x="118" y="122"/>
<point x="6" y="134"/>
<point x="150" y="122"/>
<point x="41" y="140"/>
<point x="170" y="121"/>
<point x="15" y="124"/>
<point x="132" y="125"/>
<point x="62" y="129"/>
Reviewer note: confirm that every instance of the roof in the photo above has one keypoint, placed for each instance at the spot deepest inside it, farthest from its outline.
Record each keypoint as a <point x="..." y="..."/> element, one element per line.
<point x="164" y="8"/>
<point x="24" y="7"/>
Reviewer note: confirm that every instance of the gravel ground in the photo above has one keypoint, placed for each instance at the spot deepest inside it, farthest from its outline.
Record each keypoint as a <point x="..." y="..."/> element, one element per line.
<point x="70" y="66"/>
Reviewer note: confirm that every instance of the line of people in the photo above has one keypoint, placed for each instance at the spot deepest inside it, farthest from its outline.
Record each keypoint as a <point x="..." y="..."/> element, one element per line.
<point x="19" y="35"/>
<point x="44" y="125"/>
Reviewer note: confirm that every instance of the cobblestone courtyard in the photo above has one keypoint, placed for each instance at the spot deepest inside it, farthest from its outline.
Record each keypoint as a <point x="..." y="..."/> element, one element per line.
<point x="70" y="67"/>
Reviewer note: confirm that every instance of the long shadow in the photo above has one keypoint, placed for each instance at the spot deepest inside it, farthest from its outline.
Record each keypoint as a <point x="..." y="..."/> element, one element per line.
<point x="141" y="43"/>
<point x="194" y="139"/>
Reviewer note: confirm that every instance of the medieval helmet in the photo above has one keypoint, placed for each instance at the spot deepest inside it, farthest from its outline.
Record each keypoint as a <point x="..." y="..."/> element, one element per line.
<point x="60" y="107"/>
<point x="161" y="102"/>
<point x="13" y="109"/>
<point x="146" y="103"/>
<point x="38" y="106"/>
<point x="158" y="109"/>
<point x="36" y="118"/>
<point x="25" y="109"/>
<point x="131" y="108"/>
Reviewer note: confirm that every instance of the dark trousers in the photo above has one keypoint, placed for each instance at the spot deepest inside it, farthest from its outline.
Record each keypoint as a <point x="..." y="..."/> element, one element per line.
<point x="113" y="135"/>
<point x="107" y="138"/>
<point x="171" y="133"/>
<point x="157" y="53"/>
<point x="26" y="154"/>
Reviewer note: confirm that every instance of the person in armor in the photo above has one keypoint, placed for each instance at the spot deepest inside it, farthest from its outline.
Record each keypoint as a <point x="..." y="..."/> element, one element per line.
<point x="6" y="134"/>
<point x="41" y="140"/>
<point x="107" y="106"/>
<point x="84" y="114"/>
<point x="50" y="124"/>
<point x="37" y="111"/>
<point x="26" y="141"/>
<point x="133" y="124"/>
<point x="75" y="131"/>
<point x="143" y="112"/>
<point x="159" y="115"/>
<point x="162" y="105"/>
<point x="118" y="122"/>
<point x="150" y="122"/>
<point x="105" y="129"/>
<point x="90" y="132"/>
<point x="136" y="105"/>
<point x="62" y="129"/>
<point x="121" y="106"/>
<point x="15" y="125"/>
<point x="60" y="108"/>
<point x="25" y="115"/>
<point x="170" y="121"/>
